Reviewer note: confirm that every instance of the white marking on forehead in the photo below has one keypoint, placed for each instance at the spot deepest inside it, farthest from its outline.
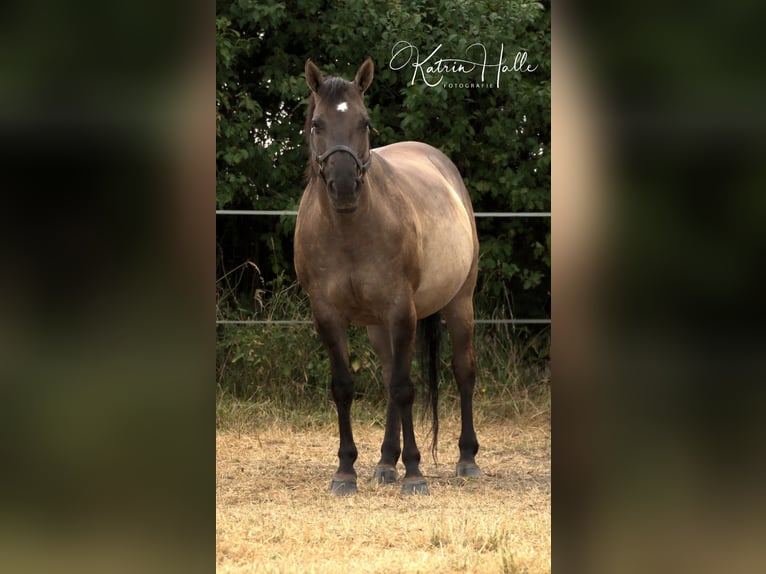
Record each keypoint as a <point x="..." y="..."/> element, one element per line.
<point x="342" y="107"/>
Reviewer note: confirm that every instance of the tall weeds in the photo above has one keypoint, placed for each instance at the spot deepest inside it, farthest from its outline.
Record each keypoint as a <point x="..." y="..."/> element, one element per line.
<point x="285" y="364"/>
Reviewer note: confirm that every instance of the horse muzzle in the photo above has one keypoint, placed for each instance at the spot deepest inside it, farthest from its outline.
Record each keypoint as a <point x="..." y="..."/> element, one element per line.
<point x="344" y="182"/>
<point x="344" y="194"/>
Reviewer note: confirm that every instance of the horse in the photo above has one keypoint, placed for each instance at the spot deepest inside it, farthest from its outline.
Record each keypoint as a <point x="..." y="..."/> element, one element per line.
<point x="385" y="238"/>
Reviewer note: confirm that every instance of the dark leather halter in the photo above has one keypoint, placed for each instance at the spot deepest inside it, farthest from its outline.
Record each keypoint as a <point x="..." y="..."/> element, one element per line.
<point x="361" y="168"/>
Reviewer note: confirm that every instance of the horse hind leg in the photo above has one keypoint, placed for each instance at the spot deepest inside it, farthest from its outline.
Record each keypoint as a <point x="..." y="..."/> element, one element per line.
<point x="459" y="318"/>
<point x="390" y="450"/>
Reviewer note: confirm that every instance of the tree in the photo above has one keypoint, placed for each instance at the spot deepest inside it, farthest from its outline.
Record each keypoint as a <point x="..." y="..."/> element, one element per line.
<point x="498" y="134"/>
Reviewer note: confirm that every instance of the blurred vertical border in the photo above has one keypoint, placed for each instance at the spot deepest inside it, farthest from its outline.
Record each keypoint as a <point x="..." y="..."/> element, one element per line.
<point x="106" y="266"/>
<point x="659" y="204"/>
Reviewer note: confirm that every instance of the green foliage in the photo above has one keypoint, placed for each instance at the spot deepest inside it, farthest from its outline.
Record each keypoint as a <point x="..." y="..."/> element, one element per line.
<point x="282" y="362"/>
<point x="286" y="364"/>
<point x="499" y="137"/>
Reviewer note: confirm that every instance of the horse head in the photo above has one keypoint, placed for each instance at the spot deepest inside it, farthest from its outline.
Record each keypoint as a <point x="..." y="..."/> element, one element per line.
<point x="337" y="130"/>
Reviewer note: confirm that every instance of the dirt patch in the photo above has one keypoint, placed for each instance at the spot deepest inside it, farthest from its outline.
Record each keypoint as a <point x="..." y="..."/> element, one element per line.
<point x="275" y="514"/>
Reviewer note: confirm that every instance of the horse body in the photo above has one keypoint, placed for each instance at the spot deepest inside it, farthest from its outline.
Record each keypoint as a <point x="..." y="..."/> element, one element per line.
<point x="384" y="237"/>
<point x="418" y="213"/>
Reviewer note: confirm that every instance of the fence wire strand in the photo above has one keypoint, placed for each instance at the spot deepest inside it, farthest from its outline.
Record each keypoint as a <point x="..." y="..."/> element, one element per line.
<point x="282" y="212"/>
<point x="291" y="212"/>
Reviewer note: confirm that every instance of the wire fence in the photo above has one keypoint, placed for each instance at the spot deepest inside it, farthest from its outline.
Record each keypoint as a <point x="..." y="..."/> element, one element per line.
<point x="248" y="212"/>
<point x="290" y="212"/>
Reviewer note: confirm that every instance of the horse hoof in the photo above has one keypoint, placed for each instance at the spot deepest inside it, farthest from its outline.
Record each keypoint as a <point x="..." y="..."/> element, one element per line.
<point x="415" y="485"/>
<point x="343" y="486"/>
<point x="384" y="474"/>
<point x="467" y="470"/>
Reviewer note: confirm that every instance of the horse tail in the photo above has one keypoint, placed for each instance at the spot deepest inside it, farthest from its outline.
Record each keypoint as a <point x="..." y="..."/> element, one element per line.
<point x="429" y="340"/>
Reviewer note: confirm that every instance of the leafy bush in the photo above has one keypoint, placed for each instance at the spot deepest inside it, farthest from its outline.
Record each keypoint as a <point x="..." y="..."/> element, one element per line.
<point x="499" y="136"/>
<point x="286" y="363"/>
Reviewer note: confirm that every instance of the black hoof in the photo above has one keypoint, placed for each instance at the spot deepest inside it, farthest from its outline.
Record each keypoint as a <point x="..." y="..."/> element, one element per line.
<point x="467" y="470"/>
<point x="415" y="485"/>
<point x="384" y="474"/>
<point x="343" y="486"/>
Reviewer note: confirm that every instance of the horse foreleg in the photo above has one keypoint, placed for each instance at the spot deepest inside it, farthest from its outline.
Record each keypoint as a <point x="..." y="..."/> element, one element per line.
<point x="390" y="449"/>
<point x="402" y="393"/>
<point x="334" y="338"/>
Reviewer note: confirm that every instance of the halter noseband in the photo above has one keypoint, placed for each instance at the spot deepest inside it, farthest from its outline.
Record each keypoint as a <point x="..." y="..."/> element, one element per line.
<point x="361" y="168"/>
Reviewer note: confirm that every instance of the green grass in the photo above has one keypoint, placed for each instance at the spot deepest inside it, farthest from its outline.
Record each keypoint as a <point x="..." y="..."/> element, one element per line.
<point x="270" y="372"/>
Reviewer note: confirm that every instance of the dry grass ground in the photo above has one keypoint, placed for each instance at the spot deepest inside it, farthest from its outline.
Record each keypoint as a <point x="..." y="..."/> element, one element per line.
<point x="275" y="514"/>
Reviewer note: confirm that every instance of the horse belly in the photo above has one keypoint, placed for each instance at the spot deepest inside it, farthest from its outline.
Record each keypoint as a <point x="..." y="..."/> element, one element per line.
<point x="447" y="261"/>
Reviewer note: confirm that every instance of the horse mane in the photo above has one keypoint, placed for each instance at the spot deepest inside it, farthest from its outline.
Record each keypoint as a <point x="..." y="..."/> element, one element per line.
<point x="310" y="170"/>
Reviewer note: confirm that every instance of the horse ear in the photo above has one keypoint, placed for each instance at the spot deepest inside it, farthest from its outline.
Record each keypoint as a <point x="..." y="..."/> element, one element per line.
<point x="313" y="76"/>
<point x="364" y="75"/>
